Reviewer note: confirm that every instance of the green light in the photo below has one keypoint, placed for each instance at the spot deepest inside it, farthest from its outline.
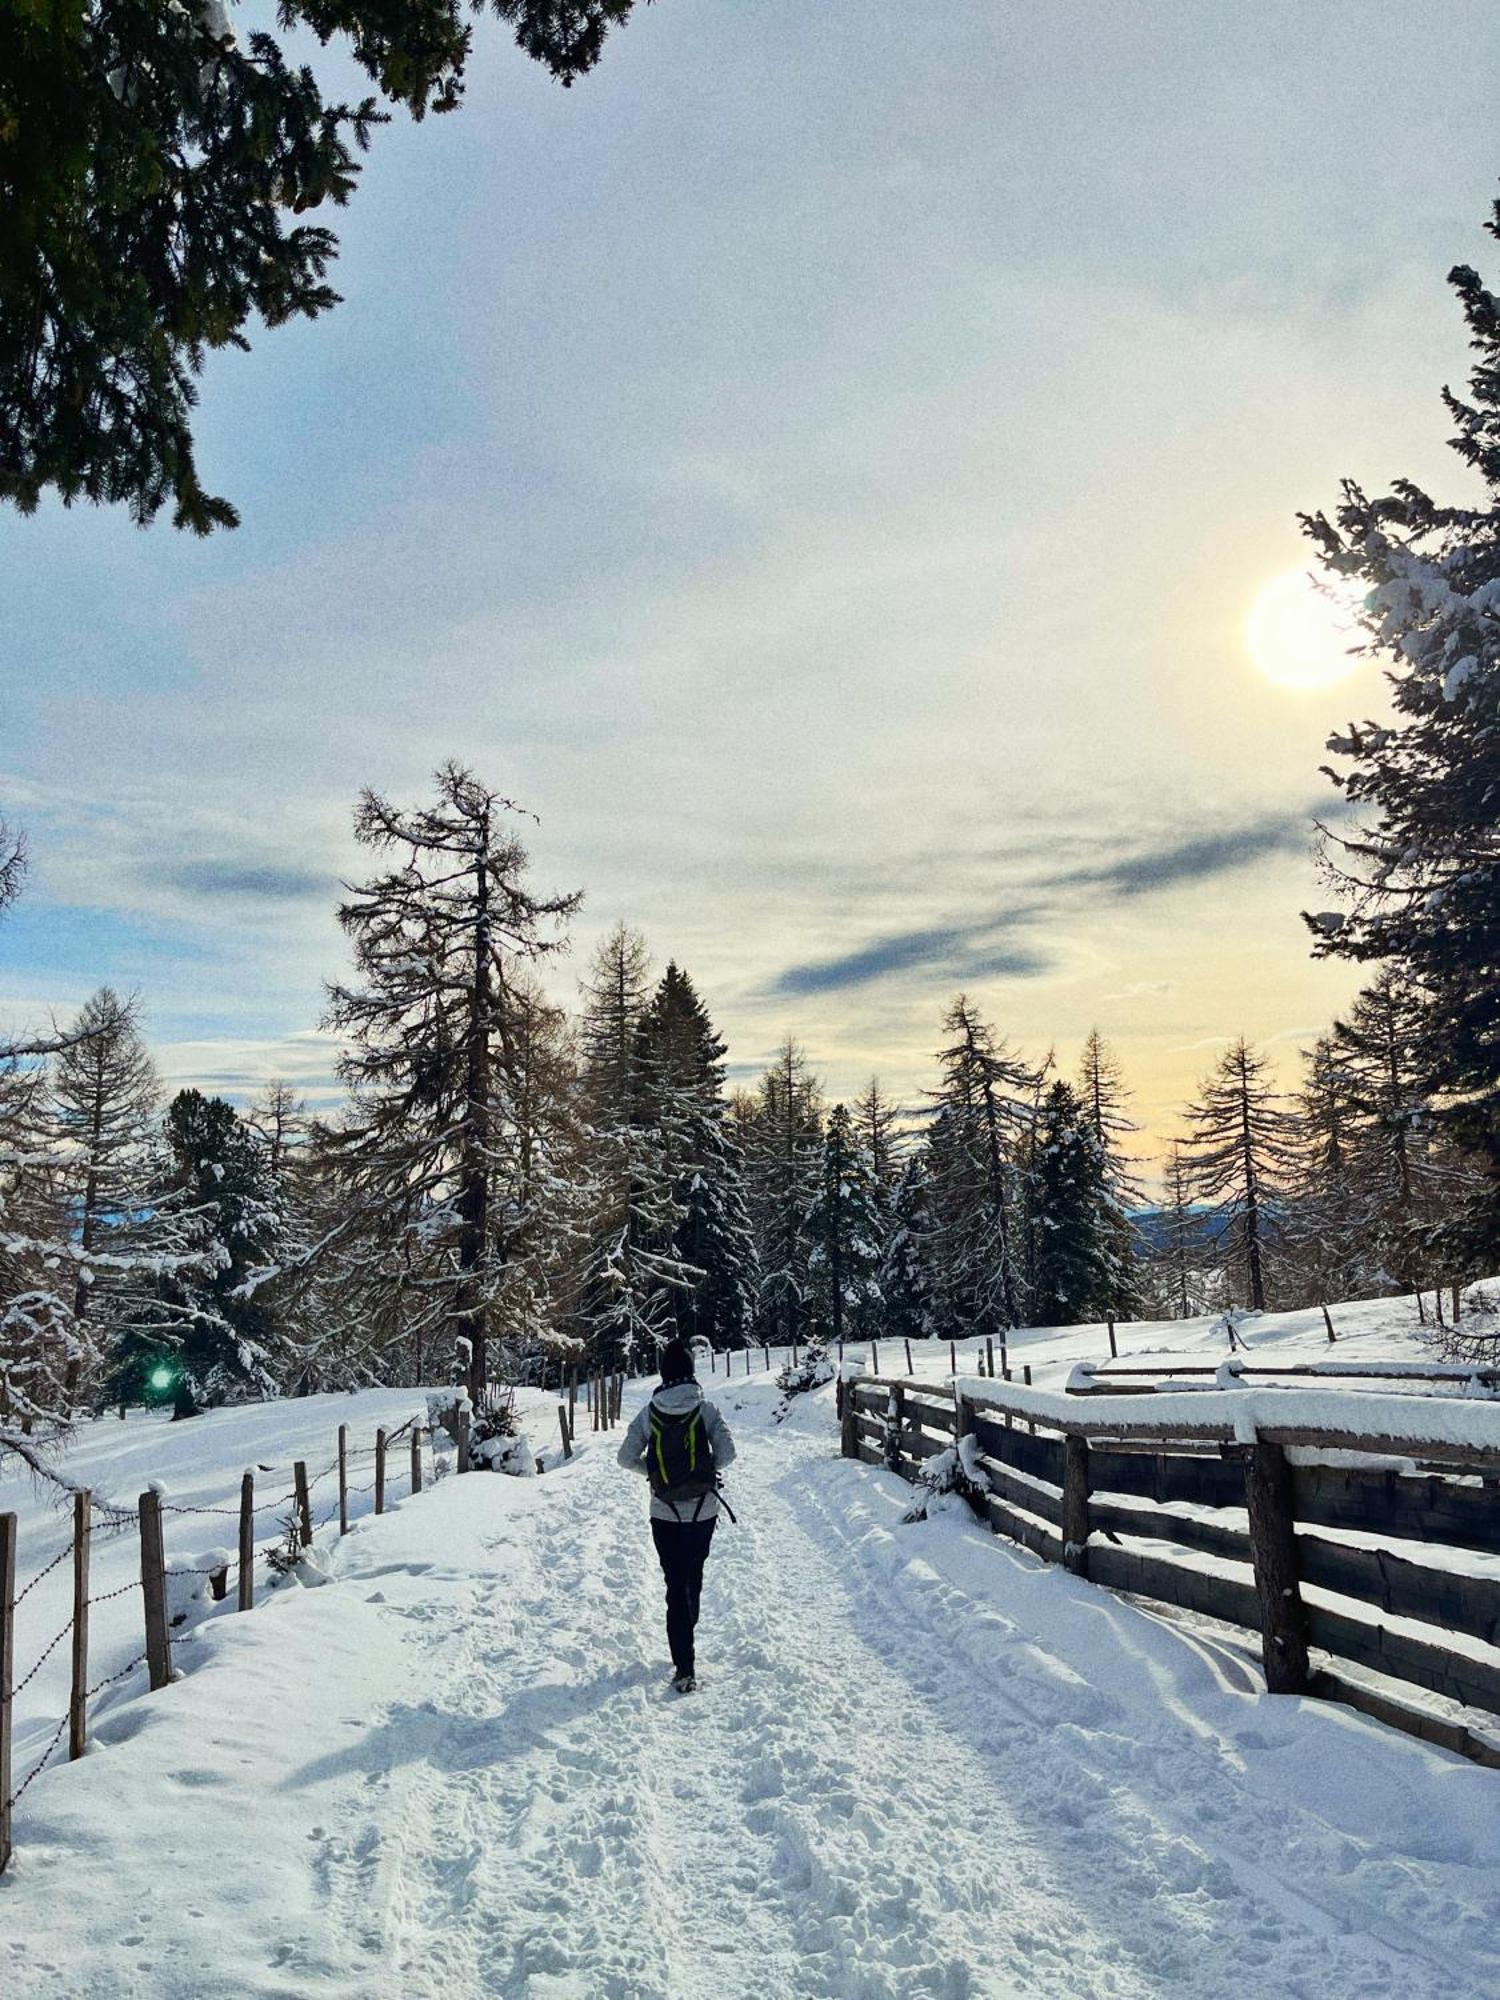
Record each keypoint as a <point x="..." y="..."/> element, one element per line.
<point x="162" y="1378"/>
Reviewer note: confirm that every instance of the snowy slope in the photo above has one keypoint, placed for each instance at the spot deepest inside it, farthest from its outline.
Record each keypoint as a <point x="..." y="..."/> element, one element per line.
<point x="922" y="1764"/>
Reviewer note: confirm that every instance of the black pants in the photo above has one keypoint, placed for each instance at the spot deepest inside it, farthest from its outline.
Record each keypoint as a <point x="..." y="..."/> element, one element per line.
<point x="682" y="1547"/>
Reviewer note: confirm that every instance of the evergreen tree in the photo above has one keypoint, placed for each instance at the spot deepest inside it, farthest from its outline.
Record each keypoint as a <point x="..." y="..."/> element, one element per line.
<point x="844" y="1225"/>
<point x="149" y="161"/>
<point x="41" y="1349"/>
<point x="1420" y="868"/>
<point x="633" y="1273"/>
<point x="984" y="1108"/>
<point x="783" y="1158"/>
<point x="906" y="1281"/>
<point x="1242" y="1161"/>
<point x="104" y="1103"/>
<point x="1075" y="1274"/>
<point x="1329" y="1221"/>
<point x="1102" y="1091"/>
<point x="682" y="1060"/>
<point x="436" y="939"/>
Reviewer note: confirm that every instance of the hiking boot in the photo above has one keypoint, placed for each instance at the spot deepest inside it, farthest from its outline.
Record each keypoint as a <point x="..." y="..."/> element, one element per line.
<point x="685" y="1683"/>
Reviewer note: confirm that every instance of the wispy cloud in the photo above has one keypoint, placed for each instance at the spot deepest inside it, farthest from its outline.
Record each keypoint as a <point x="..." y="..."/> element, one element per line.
<point x="1194" y="858"/>
<point x="248" y="881"/>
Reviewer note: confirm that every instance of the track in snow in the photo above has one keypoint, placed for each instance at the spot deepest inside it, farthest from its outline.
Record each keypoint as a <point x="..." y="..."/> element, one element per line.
<point x="904" y="1775"/>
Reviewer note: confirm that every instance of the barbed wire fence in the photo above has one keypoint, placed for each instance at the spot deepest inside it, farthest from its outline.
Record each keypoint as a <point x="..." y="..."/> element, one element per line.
<point x="293" y="1508"/>
<point x="601" y="1394"/>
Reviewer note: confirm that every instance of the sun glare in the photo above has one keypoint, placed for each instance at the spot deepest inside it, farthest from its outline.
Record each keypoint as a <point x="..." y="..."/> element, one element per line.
<point x="1298" y="636"/>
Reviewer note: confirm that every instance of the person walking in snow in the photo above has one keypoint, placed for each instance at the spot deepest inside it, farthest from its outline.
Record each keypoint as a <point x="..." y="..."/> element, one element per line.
<point x="682" y="1445"/>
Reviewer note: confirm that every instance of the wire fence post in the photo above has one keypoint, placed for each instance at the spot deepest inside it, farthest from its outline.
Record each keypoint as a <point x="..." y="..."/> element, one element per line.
<point x="247" y="1541"/>
<point x="380" y="1472"/>
<point x="304" y="1503"/>
<point x="83" y="1517"/>
<point x="416" y="1458"/>
<point x="154" y="1591"/>
<point x="343" y="1479"/>
<point x="7" y="1671"/>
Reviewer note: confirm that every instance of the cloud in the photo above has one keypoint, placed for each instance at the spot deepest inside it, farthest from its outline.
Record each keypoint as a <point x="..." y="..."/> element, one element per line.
<point x="248" y="881"/>
<point x="1194" y="858"/>
<point x="956" y="952"/>
<point x="1141" y="989"/>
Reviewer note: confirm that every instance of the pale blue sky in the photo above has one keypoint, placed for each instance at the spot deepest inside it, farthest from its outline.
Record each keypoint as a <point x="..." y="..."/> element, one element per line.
<point x="820" y="464"/>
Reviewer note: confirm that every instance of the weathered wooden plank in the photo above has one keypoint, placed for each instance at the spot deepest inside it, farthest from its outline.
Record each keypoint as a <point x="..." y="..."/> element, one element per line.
<point x="1011" y="1487"/>
<point x="1212" y="1538"/>
<point x="1404" y="1589"/>
<point x="1430" y="1509"/>
<point x="1166" y="1476"/>
<point x="916" y="1444"/>
<point x="1030" y="1534"/>
<point x="1040" y="1457"/>
<point x="1475" y="1683"/>
<point x="1230" y="1598"/>
<point x="1439" y="1729"/>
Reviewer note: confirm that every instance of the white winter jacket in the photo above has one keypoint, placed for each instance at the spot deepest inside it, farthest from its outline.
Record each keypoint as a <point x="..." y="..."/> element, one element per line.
<point x="676" y="1402"/>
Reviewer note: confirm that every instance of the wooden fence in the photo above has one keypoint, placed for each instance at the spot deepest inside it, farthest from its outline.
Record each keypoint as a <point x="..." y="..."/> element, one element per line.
<point x="1187" y="1513"/>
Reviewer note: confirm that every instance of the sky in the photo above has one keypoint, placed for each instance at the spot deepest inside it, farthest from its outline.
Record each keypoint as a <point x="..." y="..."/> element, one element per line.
<point x="820" y="465"/>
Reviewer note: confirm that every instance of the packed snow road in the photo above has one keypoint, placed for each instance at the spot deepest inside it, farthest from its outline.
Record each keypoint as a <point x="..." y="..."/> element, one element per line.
<point x="920" y="1764"/>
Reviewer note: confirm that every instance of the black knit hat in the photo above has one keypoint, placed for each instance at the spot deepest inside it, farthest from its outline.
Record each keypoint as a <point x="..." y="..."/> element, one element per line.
<point x="677" y="1364"/>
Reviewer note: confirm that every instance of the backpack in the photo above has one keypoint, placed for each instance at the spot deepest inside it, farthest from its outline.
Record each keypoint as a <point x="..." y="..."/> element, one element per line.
<point x="680" y="1456"/>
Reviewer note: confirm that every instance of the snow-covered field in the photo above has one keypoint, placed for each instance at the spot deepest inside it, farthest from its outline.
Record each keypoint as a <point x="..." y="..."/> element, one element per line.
<point x="921" y="1764"/>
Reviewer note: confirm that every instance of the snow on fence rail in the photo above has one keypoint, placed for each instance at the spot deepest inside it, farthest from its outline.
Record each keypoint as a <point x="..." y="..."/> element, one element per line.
<point x="1295" y="1513"/>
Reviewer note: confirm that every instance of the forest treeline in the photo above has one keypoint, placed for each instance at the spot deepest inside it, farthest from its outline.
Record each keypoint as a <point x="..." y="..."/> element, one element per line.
<point x="509" y="1180"/>
<point x="509" y="1183"/>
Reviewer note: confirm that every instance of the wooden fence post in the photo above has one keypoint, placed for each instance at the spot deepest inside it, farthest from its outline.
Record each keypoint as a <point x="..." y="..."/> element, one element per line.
<point x="343" y="1479"/>
<point x="875" y="1357"/>
<point x="83" y="1520"/>
<point x="572" y="1395"/>
<point x="952" y="1357"/>
<point x="562" y="1425"/>
<point x="7" y="1671"/>
<point x="304" y="1503"/>
<point x="849" y="1426"/>
<point x="1273" y="1552"/>
<point x="463" y="1433"/>
<point x="1328" y="1322"/>
<point x="154" y="1591"/>
<point x="909" y="1369"/>
<point x="989" y="1343"/>
<point x="380" y="1472"/>
<point x="247" y="1541"/>
<point x="963" y="1417"/>
<point x="895" y="1423"/>
<point x="416" y="1458"/>
<point x="766" y="1353"/>
<point x="1113" y="1350"/>
<point x="1004" y="1361"/>
<point x="1075" y="1505"/>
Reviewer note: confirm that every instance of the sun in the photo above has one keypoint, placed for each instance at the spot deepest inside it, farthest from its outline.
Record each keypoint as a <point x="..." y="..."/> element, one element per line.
<point x="1299" y="636"/>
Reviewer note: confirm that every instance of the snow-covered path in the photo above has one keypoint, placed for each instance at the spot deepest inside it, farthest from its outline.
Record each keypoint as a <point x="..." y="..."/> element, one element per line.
<point x="921" y="1764"/>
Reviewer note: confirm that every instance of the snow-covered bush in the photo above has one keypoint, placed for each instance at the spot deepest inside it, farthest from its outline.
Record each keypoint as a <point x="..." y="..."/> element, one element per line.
<point x="497" y="1441"/>
<point x="957" y="1472"/>
<point x="812" y="1368"/>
